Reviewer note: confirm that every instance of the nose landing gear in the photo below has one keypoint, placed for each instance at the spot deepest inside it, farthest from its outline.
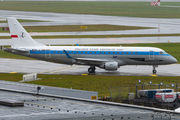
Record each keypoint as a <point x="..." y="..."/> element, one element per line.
<point x="154" y="69"/>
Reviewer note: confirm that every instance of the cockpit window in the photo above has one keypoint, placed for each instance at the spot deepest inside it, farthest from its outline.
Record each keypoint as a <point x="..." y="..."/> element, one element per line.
<point x="161" y="52"/>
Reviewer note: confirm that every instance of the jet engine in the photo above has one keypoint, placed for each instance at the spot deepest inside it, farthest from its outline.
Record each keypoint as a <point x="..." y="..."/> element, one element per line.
<point x="109" y="66"/>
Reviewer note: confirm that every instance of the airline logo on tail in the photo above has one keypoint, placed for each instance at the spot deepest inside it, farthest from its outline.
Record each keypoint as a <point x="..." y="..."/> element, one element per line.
<point x="21" y="35"/>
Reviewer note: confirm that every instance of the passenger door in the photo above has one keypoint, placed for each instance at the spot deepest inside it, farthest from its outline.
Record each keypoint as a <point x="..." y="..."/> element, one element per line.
<point x="47" y="54"/>
<point x="151" y="55"/>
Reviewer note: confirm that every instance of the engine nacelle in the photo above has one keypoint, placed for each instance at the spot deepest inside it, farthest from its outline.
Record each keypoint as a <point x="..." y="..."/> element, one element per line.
<point x="109" y="66"/>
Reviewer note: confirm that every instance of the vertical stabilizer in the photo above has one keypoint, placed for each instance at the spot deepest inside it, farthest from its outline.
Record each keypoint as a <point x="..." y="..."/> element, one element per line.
<point x="19" y="35"/>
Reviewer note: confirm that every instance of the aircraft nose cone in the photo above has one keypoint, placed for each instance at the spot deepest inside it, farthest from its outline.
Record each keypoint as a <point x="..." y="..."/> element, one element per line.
<point x="174" y="60"/>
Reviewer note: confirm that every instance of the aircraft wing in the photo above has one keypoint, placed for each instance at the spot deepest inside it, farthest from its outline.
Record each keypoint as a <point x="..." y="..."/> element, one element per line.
<point x="90" y="59"/>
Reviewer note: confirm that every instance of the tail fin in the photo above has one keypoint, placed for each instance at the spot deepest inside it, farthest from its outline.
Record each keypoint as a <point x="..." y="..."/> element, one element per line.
<point x="19" y="35"/>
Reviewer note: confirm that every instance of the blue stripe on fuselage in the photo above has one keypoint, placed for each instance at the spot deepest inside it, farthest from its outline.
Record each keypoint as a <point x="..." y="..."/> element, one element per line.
<point x="96" y="52"/>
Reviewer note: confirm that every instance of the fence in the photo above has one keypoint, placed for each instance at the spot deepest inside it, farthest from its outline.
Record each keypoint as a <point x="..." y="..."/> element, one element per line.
<point x="121" y="93"/>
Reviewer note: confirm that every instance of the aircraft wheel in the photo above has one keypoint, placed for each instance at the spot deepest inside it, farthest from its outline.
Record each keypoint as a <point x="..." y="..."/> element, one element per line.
<point x="154" y="71"/>
<point x="90" y="70"/>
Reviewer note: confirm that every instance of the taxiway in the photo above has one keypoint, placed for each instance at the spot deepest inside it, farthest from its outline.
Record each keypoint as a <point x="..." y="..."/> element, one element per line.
<point x="161" y="25"/>
<point x="40" y="67"/>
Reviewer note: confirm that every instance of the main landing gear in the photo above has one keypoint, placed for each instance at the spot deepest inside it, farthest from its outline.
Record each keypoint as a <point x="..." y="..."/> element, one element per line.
<point x="92" y="69"/>
<point x="154" y="69"/>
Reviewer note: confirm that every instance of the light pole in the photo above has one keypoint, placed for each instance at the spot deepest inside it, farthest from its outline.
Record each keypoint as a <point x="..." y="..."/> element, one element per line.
<point x="139" y="81"/>
<point x="150" y="82"/>
<point x="160" y="84"/>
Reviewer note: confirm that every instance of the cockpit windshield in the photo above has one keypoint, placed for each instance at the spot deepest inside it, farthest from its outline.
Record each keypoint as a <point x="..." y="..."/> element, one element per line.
<point x="162" y="52"/>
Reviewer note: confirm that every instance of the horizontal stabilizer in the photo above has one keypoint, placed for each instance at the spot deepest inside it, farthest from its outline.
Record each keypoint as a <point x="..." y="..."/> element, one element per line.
<point x="15" y="50"/>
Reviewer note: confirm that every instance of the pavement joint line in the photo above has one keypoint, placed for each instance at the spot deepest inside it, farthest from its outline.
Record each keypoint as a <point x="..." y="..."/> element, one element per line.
<point x="58" y="69"/>
<point x="61" y="69"/>
<point x="53" y="69"/>
<point x="67" y="69"/>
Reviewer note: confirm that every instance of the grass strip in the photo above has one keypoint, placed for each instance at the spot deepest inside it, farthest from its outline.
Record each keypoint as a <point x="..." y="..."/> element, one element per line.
<point x="104" y="36"/>
<point x="21" y="20"/>
<point x="112" y="8"/>
<point x="90" y="82"/>
<point x="96" y="36"/>
<point x="74" y="28"/>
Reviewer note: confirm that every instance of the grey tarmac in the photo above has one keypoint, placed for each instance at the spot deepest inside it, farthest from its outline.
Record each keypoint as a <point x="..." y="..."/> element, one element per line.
<point x="43" y="67"/>
<point x="81" y="41"/>
<point x="161" y="25"/>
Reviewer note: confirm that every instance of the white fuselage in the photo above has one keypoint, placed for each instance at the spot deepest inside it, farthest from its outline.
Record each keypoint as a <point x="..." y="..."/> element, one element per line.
<point x="122" y="55"/>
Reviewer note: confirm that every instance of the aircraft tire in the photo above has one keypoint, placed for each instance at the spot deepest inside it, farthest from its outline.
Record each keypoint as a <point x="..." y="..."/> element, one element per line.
<point x="90" y="70"/>
<point x="154" y="71"/>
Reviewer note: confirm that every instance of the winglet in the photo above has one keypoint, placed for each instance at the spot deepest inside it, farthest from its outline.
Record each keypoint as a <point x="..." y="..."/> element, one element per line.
<point x="68" y="56"/>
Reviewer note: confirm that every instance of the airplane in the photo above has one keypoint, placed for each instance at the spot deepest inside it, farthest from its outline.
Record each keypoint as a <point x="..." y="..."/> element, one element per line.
<point x="108" y="58"/>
